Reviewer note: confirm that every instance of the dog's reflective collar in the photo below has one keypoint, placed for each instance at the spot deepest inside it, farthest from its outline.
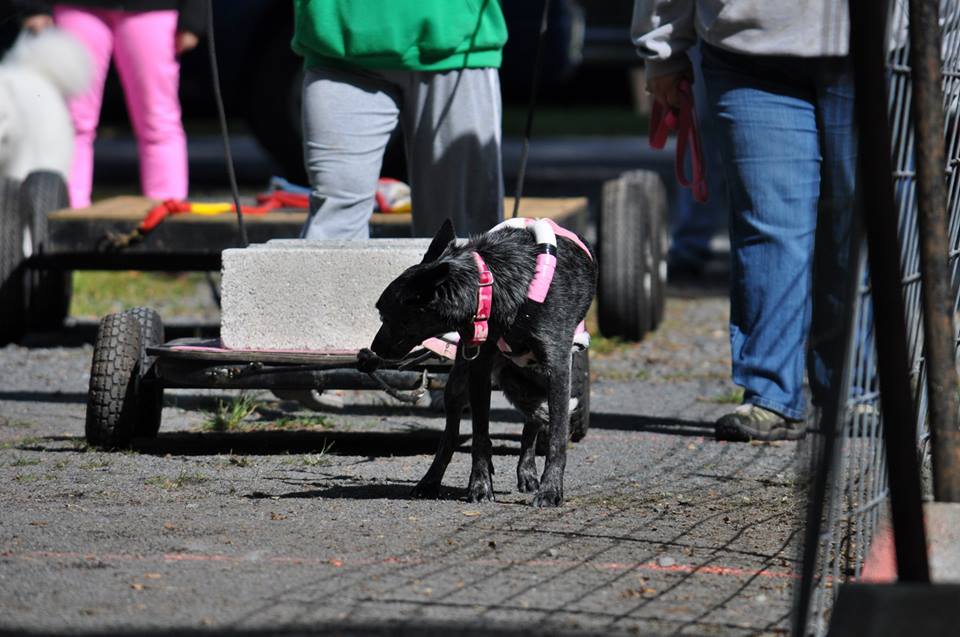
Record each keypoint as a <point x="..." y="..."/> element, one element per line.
<point x="481" y="327"/>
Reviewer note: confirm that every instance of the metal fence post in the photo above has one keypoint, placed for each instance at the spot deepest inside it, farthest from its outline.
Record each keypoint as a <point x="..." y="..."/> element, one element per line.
<point x="928" y="122"/>
<point x="868" y="50"/>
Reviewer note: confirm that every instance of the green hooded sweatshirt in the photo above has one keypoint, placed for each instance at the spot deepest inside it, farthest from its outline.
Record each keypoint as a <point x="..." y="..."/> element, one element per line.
<point x="415" y="35"/>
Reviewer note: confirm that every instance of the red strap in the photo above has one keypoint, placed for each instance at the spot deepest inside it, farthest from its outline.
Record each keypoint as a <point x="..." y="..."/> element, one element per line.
<point x="484" y="302"/>
<point x="664" y="120"/>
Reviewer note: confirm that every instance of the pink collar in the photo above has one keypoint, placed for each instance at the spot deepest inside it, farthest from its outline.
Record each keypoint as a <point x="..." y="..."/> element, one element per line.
<point x="484" y="302"/>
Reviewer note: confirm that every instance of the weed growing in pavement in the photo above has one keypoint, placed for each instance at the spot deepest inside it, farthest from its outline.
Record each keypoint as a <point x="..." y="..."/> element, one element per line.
<point x="25" y="462"/>
<point x="21" y="443"/>
<point x="229" y="414"/>
<point x="239" y="461"/>
<point x="732" y="397"/>
<point x="319" y="458"/>
<point x="25" y="478"/>
<point x="182" y="480"/>
<point x="98" y="463"/>
<point x="304" y="422"/>
<point x="80" y="445"/>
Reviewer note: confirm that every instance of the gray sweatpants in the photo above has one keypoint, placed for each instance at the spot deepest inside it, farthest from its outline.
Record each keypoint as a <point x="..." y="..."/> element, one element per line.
<point x="451" y="124"/>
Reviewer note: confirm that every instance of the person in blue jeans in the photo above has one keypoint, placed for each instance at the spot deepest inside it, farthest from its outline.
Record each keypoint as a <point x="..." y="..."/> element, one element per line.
<point x="778" y="81"/>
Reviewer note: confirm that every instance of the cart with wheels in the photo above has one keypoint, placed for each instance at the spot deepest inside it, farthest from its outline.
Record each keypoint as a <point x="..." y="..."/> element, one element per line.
<point x="42" y="240"/>
<point x="132" y="366"/>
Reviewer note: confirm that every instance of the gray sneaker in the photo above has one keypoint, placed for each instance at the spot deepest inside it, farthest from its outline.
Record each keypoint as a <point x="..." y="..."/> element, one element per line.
<point x="751" y="422"/>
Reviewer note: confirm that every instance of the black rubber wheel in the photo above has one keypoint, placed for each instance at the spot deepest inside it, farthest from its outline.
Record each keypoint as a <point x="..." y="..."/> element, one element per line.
<point x="112" y="405"/>
<point x="656" y="262"/>
<point x="48" y="291"/>
<point x="150" y="390"/>
<point x="626" y="261"/>
<point x="580" y="389"/>
<point x="13" y="301"/>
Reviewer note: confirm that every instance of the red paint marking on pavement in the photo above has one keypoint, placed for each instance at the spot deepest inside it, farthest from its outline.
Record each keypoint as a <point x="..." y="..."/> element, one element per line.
<point x="724" y="571"/>
<point x="880" y="567"/>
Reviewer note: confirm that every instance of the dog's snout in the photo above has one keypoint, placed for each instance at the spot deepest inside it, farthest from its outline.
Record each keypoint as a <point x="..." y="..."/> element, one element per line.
<point x="381" y="343"/>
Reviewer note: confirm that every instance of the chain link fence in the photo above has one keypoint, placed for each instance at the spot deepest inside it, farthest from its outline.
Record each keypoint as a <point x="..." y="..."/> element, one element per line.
<point x="857" y="497"/>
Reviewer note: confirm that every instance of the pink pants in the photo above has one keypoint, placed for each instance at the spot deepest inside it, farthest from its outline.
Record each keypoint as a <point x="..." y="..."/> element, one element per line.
<point x="142" y="45"/>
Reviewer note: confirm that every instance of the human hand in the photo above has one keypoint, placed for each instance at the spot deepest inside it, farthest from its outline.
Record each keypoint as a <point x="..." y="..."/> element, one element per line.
<point x="665" y="89"/>
<point x="37" y="23"/>
<point x="185" y="41"/>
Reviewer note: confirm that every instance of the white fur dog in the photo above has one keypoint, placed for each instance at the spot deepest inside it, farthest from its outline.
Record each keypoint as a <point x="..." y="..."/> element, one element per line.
<point x="36" y="77"/>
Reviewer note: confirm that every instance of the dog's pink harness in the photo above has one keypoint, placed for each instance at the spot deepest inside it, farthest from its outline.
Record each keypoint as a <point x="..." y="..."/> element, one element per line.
<point x="545" y="231"/>
<point x="481" y="327"/>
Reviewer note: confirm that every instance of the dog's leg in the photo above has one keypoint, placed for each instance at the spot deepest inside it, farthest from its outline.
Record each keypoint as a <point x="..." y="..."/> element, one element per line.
<point x="558" y="400"/>
<point x="527" y="481"/>
<point x="480" y="487"/>
<point x="454" y="400"/>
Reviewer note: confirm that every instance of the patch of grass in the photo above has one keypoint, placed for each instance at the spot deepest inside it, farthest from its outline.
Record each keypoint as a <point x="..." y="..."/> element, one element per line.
<point x="98" y="293"/>
<point x="25" y="462"/>
<point x="239" y="461"/>
<point x="80" y="445"/>
<point x="24" y="478"/>
<point x="98" y="463"/>
<point x="229" y="414"/>
<point x="61" y="464"/>
<point x="20" y="443"/>
<point x="601" y="345"/>
<point x="304" y="422"/>
<point x="732" y="397"/>
<point x="624" y="374"/>
<point x="319" y="458"/>
<point x="182" y="480"/>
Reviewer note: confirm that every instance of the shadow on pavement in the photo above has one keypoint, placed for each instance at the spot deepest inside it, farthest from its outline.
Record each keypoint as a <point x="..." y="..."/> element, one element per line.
<point x="633" y="422"/>
<point x="391" y="627"/>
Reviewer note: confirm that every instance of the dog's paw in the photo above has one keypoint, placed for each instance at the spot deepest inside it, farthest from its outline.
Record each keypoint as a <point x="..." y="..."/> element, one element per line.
<point x="480" y="491"/>
<point x="548" y="497"/>
<point x="527" y="482"/>
<point x="426" y="491"/>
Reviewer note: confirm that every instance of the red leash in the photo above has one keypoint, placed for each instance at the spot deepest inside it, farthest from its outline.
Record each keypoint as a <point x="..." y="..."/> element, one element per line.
<point x="663" y="121"/>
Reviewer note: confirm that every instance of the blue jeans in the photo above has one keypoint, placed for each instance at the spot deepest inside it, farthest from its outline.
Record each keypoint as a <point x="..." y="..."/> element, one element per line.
<point x="786" y="136"/>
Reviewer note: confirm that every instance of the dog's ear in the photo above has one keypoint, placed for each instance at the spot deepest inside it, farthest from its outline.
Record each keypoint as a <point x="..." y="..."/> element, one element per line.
<point x="423" y="286"/>
<point x="440" y="241"/>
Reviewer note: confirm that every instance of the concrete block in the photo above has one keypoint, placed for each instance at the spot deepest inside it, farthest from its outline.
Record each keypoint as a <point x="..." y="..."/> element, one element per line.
<point x="309" y="295"/>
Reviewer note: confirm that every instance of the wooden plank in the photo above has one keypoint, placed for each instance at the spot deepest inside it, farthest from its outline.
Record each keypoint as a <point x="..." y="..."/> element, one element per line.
<point x="133" y="209"/>
<point x="75" y="238"/>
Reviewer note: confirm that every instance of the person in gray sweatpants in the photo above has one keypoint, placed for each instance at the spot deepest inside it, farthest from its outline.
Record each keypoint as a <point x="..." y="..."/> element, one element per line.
<point x="429" y="66"/>
<point x="450" y="122"/>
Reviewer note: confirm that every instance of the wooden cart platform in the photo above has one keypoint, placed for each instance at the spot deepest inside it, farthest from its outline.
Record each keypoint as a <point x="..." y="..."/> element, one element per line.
<point x="194" y="242"/>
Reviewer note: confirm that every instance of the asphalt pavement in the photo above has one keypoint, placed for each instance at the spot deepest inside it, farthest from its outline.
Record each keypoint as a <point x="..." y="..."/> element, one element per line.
<point x="300" y="522"/>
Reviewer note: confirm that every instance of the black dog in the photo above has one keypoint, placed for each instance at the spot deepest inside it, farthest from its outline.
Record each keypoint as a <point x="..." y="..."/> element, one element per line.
<point x="440" y="295"/>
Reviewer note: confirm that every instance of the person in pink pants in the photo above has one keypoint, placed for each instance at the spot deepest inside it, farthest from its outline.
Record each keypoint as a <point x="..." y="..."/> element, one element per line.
<point x="145" y="40"/>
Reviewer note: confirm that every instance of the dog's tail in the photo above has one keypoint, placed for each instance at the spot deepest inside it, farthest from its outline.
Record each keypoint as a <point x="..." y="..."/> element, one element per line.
<point x="56" y="55"/>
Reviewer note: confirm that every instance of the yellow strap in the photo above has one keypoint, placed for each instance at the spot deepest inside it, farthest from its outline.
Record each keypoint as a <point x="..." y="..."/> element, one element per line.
<point x="210" y="208"/>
